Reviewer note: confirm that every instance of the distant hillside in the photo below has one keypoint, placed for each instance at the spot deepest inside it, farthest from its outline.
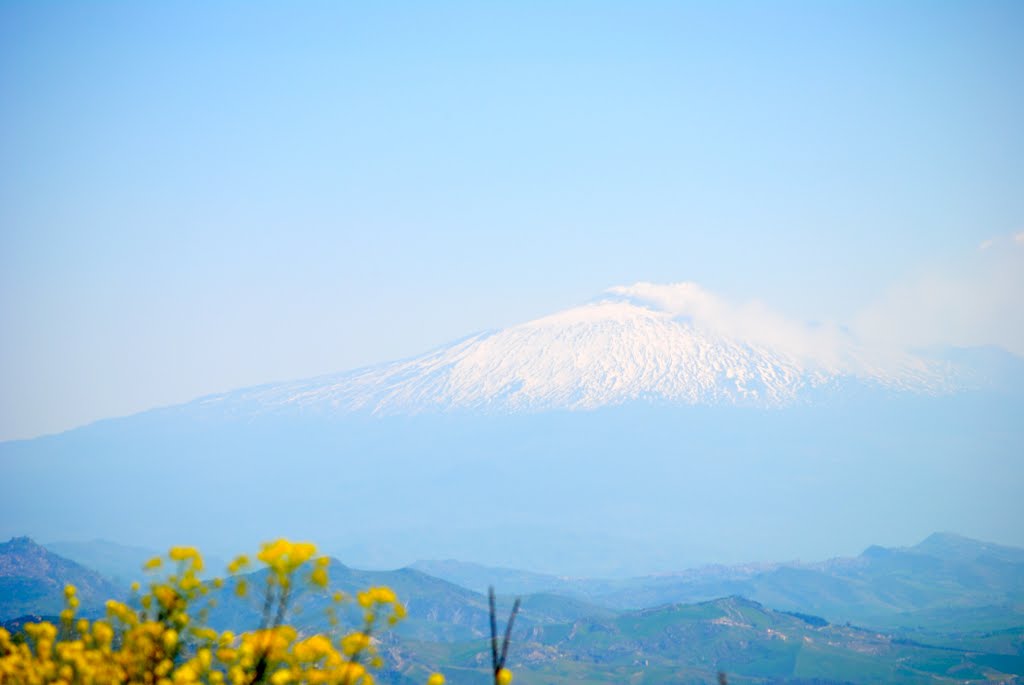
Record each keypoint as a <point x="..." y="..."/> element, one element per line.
<point x="881" y="587"/>
<point x="32" y="581"/>
<point x="953" y="547"/>
<point x="692" y="643"/>
<point x="437" y="610"/>
<point x="478" y="577"/>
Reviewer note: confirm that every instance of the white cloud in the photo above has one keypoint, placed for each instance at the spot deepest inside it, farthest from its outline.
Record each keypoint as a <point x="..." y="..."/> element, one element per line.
<point x="977" y="299"/>
<point x="752" y="321"/>
<point x="974" y="300"/>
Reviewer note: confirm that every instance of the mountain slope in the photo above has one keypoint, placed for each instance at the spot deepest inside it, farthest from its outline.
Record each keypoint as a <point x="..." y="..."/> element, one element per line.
<point x="608" y="352"/>
<point x="32" y="581"/>
<point x="438" y="611"/>
<point x="881" y="587"/>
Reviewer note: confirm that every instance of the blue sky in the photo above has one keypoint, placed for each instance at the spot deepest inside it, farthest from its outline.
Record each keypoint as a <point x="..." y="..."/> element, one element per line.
<point x="199" y="196"/>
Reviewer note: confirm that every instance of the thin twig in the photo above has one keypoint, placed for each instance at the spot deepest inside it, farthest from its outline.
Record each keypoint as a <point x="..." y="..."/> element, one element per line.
<point x="282" y="605"/>
<point x="494" y="631"/>
<point x="268" y="603"/>
<point x="508" y="635"/>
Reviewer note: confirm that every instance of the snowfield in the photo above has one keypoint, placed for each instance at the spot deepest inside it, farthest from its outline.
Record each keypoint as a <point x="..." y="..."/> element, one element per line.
<point x="604" y="353"/>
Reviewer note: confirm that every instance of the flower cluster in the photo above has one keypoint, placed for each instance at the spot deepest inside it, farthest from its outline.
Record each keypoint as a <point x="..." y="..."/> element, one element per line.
<point x="161" y="638"/>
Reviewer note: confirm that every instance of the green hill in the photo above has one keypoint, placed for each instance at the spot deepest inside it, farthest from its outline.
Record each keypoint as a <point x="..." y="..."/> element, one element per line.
<point x="692" y="643"/>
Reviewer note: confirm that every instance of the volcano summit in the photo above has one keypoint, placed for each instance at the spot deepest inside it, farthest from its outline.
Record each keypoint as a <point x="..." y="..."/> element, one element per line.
<point x="672" y="344"/>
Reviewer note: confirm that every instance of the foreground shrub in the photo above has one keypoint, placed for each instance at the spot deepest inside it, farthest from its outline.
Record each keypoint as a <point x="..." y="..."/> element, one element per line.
<point x="160" y="637"/>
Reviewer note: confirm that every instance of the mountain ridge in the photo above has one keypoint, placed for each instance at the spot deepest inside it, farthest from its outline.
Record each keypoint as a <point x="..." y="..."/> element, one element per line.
<point x="621" y="347"/>
<point x="887" y="585"/>
<point x="607" y="352"/>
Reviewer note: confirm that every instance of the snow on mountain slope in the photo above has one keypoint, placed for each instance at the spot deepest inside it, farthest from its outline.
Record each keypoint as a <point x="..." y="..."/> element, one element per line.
<point x="677" y="346"/>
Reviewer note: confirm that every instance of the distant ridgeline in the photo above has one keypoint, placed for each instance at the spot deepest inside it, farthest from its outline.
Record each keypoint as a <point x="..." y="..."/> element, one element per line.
<point x="948" y="608"/>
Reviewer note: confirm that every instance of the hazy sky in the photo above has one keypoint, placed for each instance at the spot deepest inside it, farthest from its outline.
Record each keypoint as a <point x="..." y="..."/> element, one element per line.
<point x="200" y="196"/>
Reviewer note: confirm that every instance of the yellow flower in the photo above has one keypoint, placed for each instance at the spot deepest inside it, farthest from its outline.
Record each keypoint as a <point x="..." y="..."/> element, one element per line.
<point x="313" y="648"/>
<point x="435" y="679"/>
<point x="189" y="582"/>
<point x="205" y="634"/>
<point x="281" y="678"/>
<point x="354" y="643"/>
<point x="102" y="633"/>
<point x="121" y="612"/>
<point x="284" y="556"/>
<point x="240" y="562"/>
<point x="183" y="553"/>
<point x="147" y="645"/>
<point x="376" y="595"/>
<point x="186" y="675"/>
<point x="272" y="552"/>
<point x="170" y="639"/>
<point x="319" y="577"/>
<point x="355" y="673"/>
<point x="155" y="562"/>
<point x="504" y="676"/>
<point x="165" y="595"/>
<point x="41" y="631"/>
<point x="302" y="552"/>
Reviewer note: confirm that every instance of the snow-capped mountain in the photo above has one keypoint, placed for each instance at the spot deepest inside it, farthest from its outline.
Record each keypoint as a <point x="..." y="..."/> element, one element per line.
<point x="453" y="453"/>
<point x="673" y="344"/>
